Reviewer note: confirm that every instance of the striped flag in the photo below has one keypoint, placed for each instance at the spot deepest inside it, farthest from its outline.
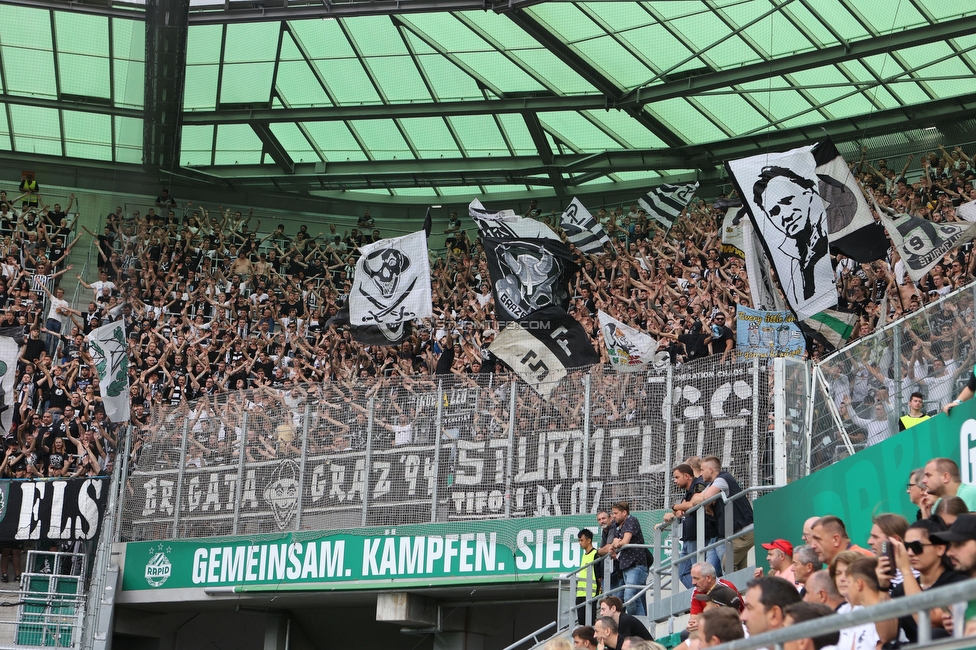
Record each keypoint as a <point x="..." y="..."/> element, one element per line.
<point x="583" y="231"/>
<point x="830" y="328"/>
<point x="665" y="202"/>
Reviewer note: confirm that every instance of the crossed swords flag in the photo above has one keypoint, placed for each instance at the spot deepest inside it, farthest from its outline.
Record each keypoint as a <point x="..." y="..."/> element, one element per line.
<point x="629" y="349"/>
<point x="110" y="352"/>
<point x="392" y="282"/>
<point x="665" y="203"/>
<point x="392" y="334"/>
<point x="582" y="230"/>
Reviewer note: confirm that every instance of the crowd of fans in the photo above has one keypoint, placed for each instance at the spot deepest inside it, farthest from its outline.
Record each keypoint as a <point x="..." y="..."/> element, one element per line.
<point x="213" y="303"/>
<point x="828" y="574"/>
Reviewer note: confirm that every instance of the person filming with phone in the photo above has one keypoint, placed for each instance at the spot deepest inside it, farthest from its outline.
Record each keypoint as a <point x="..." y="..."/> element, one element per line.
<point x="924" y="565"/>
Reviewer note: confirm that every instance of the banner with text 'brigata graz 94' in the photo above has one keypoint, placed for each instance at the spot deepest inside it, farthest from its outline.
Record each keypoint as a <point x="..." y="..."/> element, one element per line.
<point x="504" y="550"/>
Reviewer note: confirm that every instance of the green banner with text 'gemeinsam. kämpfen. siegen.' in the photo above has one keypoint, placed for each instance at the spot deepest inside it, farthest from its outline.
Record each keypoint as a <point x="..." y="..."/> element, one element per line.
<point x="870" y="482"/>
<point x="505" y="550"/>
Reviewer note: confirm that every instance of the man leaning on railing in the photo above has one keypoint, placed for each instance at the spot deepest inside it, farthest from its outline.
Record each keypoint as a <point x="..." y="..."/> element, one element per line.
<point x="720" y="481"/>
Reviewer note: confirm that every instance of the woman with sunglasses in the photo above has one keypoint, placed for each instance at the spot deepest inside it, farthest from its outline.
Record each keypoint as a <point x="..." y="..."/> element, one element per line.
<point x="917" y="555"/>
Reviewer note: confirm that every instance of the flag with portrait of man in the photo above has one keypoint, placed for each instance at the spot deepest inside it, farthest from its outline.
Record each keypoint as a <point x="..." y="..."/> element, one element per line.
<point x="781" y="191"/>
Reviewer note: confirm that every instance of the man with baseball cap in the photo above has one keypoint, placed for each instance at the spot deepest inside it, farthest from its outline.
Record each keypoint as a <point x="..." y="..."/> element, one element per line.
<point x="779" y="556"/>
<point x="961" y="540"/>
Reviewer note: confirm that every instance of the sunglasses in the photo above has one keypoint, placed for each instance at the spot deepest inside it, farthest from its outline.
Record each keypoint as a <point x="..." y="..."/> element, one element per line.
<point x="916" y="547"/>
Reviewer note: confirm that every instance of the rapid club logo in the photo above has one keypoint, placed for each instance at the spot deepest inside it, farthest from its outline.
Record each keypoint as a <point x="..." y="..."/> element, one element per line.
<point x="158" y="568"/>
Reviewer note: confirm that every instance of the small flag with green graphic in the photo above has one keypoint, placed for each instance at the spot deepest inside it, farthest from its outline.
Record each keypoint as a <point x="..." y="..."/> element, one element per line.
<point x="110" y="352"/>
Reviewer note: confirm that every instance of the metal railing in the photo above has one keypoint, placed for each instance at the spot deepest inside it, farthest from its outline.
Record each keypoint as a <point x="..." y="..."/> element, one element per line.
<point x="887" y="359"/>
<point x="51" y="603"/>
<point x="671" y="565"/>
<point x="920" y="604"/>
<point x="478" y="447"/>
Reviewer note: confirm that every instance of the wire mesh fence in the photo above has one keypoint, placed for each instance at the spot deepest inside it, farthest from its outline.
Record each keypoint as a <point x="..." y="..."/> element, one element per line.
<point x="860" y="393"/>
<point x="394" y="451"/>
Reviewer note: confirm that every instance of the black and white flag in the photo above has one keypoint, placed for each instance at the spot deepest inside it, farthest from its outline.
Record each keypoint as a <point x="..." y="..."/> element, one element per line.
<point x="967" y="211"/>
<point x="542" y="348"/>
<point x="506" y="223"/>
<point x="922" y="243"/>
<point x="392" y="282"/>
<point x="528" y="275"/>
<point x="583" y="230"/>
<point x="830" y="328"/>
<point x="732" y="235"/>
<point x="384" y="334"/>
<point x="765" y="295"/>
<point x="851" y="228"/>
<point x="782" y="193"/>
<point x="665" y="202"/>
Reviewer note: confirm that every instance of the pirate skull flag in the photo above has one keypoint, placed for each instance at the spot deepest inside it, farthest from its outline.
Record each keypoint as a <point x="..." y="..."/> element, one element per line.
<point x="392" y="282"/>
<point x="528" y="275"/>
<point x="384" y="334"/>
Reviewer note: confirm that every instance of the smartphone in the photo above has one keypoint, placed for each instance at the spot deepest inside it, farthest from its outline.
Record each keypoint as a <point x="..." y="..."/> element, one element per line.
<point x="889" y="552"/>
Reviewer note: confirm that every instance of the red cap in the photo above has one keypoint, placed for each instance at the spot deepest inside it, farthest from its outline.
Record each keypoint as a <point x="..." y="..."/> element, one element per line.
<point x="781" y="544"/>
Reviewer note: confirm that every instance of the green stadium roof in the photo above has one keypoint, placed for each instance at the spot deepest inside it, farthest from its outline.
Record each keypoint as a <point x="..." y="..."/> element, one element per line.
<point x="448" y="98"/>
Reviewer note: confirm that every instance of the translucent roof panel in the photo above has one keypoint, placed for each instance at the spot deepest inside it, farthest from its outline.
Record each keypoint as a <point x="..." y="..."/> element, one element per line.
<point x="514" y="96"/>
<point x="63" y="78"/>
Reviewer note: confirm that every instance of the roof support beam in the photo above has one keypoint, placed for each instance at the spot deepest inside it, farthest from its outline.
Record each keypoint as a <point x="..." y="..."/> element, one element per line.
<point x="593" y="75"/>
<point x="396" y="111"/>
<point x="166" y="32"/>
<point x="402" y="173"/>
<point x="67" y="104"/>
<point x="534" y="126"/>
<point x="632" y="101"/>
<point x="273" y="147"/>
<point x="81" y="7"/>
<point x="789" y="64"/>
